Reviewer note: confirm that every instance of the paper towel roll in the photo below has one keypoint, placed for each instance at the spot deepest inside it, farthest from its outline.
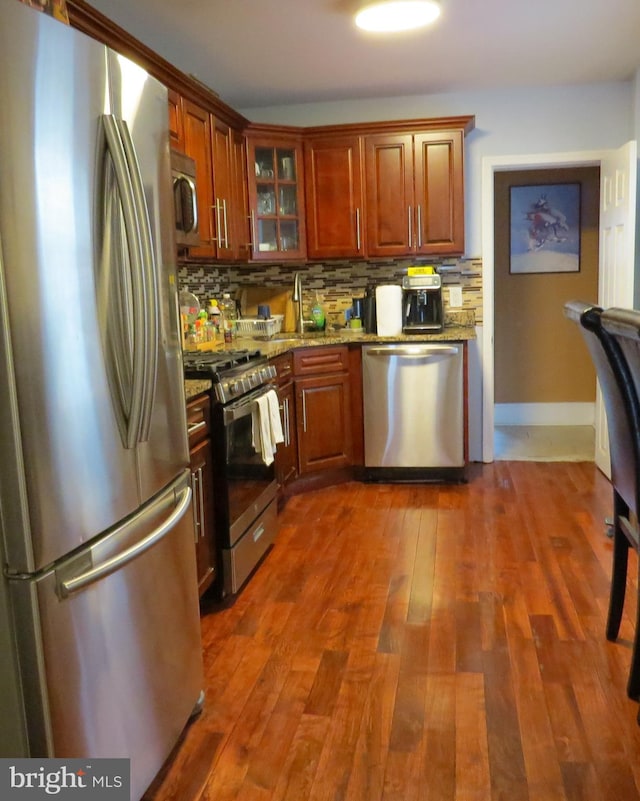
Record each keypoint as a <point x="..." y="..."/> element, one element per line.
<point x="389" y="310"/>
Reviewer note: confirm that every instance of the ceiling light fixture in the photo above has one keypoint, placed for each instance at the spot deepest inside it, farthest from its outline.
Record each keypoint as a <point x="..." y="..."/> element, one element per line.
<point x="390" y="16"/>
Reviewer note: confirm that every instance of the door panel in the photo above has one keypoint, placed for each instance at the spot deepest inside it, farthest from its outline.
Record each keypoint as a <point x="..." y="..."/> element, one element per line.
<point x="617" y="253"/>
<point x="389" y="190"/>
<point x="123" y="655"/>
<point x="79" y="478"/>
<point x="439" y="192"/>
<point x="334" y="197"/>
<point x="142" y="102"/>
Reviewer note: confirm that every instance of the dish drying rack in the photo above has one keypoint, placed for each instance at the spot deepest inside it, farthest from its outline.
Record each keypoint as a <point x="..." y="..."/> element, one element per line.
<point x="250" y="326"/>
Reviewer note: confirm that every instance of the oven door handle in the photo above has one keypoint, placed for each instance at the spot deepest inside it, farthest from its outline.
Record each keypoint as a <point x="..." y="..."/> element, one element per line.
<point x="243" y="407"/>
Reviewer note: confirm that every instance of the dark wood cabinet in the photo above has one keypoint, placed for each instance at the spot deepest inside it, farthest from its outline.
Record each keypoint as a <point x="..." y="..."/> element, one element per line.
<point x="276" y="197"/>
<point x="415" y="193"/>
<point x="240" y="210"/>
<point x="323" y="408"/>
<point x="176" y="130"/>
<point x="287" y="452"/>
<point x="216" y="148"/>
<point x="334" y="197"/>
<point x="197" y="145"/>
<point x="201" y="458"/>
<point x="439" y="192"/>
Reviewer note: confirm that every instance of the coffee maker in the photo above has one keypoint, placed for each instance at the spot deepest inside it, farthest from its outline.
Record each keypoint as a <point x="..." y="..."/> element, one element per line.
<point x="422" y="304"/>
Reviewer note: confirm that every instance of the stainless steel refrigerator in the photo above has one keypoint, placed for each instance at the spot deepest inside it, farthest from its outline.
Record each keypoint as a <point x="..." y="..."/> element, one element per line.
<point x="99" y="619"/>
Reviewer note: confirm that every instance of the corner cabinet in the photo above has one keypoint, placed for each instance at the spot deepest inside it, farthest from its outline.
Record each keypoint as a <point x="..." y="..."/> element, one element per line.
<point x="276" y="198"/>
<point x="334" y="196"/>
<point x="415" y="193"/>
<point x="323" y="408"/>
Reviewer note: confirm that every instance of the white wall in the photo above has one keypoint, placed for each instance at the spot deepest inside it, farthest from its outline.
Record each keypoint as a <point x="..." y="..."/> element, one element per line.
<point x="508" y="121"/>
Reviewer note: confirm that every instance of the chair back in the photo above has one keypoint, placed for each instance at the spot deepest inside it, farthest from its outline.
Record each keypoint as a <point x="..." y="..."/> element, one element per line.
<point x="619" y="395"/>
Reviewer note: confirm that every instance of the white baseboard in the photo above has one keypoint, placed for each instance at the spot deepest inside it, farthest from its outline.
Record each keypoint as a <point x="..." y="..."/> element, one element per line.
<point x="544" y="414"/>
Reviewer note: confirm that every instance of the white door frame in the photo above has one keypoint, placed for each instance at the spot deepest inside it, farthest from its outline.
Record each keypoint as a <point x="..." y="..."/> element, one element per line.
<point x="490" y="165"/>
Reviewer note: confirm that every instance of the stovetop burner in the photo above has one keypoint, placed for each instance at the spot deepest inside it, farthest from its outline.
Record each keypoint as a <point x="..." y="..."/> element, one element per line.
<point x="233" y="372"/>
<point x="214" y="363"/>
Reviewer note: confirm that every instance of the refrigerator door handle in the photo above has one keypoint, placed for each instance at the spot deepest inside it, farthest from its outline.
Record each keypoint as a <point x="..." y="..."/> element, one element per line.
<point x="134" y="283"/>
<point x="68" y="586"/>
<point x="149" y="307"/>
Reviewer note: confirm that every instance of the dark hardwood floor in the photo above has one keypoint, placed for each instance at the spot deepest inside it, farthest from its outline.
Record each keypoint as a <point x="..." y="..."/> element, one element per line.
<point x="422" y="642"/>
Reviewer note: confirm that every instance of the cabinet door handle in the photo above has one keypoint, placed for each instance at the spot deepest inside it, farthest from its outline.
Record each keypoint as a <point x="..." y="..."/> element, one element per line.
<point x="287" y="431"/>
<point x="212" y="220"/>
<point x="419" y="210"/>
<point x="201" y="501"/>
<point x="410" y="227"/>
<point x="194" y="503"/>
<point x="358" y="229"/>
<point x="220" y="239"/>
<point x="253" y="230"/>
<point x="304" y="411"/>
<point x="224" y="217"/>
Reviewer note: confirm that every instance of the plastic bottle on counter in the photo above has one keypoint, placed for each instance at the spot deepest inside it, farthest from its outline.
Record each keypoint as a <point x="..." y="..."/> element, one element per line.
<point x="229" y="317"/>
<point x="214" y="315"/>
<point x="317" y="314"/>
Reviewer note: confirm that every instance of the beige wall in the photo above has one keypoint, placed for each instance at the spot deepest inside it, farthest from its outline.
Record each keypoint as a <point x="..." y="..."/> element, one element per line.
<point x="539" y="355"/>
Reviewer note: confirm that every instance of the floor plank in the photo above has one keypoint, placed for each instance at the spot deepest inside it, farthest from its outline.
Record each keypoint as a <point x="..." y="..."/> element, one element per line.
<point x="427" y="643"/>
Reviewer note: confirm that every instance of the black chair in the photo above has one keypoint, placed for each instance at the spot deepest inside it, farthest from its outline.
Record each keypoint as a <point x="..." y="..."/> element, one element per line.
<point x="605" y="334"/>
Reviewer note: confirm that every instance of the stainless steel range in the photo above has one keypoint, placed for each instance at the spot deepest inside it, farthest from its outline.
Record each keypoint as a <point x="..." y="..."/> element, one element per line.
<point x="245" y="486"/>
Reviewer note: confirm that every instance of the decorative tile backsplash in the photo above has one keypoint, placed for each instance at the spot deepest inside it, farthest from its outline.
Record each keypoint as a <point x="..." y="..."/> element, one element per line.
<point x="336" y="282"/>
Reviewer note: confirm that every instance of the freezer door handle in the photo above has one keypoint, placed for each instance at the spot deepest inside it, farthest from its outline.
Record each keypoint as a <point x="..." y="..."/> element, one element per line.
<point x="106" y="568"/>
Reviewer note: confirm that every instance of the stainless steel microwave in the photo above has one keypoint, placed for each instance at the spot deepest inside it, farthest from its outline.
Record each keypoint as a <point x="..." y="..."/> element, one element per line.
<point x="185" y="199"/>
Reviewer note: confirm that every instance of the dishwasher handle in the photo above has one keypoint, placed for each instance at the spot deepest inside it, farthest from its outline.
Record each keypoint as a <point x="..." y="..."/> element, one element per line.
<point x="414" y="351"/>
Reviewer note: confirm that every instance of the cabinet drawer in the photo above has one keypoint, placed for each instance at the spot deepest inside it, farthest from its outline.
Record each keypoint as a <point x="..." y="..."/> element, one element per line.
<point x="198" y="417"/>
<point x="284" y="368"/>
<point x="317" y="360"/>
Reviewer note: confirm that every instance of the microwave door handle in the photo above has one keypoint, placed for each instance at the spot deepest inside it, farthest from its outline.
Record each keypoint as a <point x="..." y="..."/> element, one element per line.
<point x="193" y="203"/>
<point x="131" y="284"/>
<point x="149" y="301"/>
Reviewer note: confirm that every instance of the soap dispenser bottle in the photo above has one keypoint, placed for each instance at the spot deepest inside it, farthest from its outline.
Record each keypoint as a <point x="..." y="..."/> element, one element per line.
<point x="317" y="314"/>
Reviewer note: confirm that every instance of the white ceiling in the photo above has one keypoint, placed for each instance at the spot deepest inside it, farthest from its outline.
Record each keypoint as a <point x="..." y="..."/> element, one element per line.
<point x="257" y="53"/>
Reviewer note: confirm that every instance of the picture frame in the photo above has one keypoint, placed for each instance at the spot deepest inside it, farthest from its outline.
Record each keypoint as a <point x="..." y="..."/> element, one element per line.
<point x="544" y="233"/>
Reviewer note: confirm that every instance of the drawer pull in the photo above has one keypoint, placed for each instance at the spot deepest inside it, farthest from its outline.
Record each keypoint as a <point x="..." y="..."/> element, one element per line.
<point x="196" y="427"/>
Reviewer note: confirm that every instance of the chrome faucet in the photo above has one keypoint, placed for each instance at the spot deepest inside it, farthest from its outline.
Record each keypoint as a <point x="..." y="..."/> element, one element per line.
<point x="297" y="298"/>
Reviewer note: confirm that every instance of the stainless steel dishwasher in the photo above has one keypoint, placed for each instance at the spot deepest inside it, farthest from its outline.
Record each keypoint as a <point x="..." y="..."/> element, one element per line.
<point x="413" y="409"/>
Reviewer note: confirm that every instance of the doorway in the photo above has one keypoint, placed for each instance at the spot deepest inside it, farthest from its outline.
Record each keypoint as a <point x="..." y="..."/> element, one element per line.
<point x="545" y="382"/>
<point x="490" y="166"/>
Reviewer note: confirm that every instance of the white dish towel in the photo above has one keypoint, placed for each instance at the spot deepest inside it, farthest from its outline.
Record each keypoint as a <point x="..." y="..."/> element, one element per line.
<point x="266" y="426"/>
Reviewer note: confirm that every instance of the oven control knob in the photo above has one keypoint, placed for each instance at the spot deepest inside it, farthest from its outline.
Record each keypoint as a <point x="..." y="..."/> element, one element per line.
<point x="234" y="386"/>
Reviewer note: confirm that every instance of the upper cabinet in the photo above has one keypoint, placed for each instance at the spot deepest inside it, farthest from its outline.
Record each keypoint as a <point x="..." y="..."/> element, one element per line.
<point x="386" y="189"/>
<point x="219" y="153"/>
<point x="276" y="197"/>
<point x="334" y="196"/>
<point x="415" y="193"/>
<point x="197" y="144"/>
<point x="372" y="189"/>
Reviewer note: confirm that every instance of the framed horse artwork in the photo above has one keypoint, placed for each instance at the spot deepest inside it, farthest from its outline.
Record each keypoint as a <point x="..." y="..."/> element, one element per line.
<point x="544" y="228"/>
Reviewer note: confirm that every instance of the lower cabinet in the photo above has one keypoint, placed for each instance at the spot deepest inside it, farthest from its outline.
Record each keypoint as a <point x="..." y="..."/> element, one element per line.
<point x="287" y="451"/>
<point x="201" y="457"/>
<point x="323" y="408"/>
<point x="323" y="414"/>
<point x="316" y="407"/>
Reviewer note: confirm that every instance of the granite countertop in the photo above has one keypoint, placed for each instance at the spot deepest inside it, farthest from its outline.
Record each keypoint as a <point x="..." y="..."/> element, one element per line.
<point x="282" y="343"/>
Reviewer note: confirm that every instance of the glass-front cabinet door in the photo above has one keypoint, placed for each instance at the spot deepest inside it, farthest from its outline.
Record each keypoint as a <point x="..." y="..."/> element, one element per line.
<point x="276" y="199"/>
